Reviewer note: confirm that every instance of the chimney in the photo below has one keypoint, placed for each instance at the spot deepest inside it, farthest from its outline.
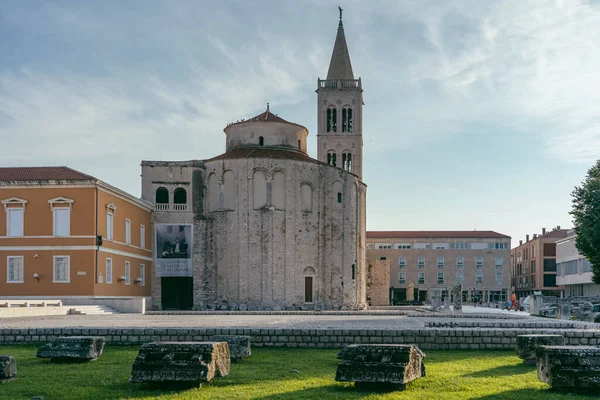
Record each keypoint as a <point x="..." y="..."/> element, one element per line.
<point x="543" y="231"/>
<point x="557" y="227"/>
<point x="520" y="242"/>
<point x="535" y="235"/>
<point x="526" y="238"/>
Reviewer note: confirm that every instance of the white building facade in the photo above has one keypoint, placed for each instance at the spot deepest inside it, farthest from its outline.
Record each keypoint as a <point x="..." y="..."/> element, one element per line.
<point x="573" y="271"/>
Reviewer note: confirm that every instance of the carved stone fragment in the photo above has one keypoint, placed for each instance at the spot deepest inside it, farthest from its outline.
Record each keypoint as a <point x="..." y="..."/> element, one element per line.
<point x="527" y="344"/>
<point x="185" y="362"/>
<point x="569" y="367"/>
<point x="395" y="364"/>
<point x="8" y="369"/>
<point x="75" y="348"/>
<point x="239" y="345"/>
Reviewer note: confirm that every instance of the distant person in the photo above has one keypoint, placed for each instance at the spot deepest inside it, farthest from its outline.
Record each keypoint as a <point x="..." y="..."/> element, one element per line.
<point x="513" y="302"/>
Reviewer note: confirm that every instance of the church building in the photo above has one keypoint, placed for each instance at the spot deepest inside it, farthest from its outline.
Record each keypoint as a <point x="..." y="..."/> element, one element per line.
<point x="264" y="226"/>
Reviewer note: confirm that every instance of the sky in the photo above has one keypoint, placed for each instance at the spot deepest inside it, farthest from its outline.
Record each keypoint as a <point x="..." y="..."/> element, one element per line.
<point x="478" y="114"/>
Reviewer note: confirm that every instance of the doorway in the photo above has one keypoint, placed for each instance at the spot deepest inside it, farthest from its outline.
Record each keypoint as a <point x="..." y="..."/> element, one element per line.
<point x="177" y="293"/>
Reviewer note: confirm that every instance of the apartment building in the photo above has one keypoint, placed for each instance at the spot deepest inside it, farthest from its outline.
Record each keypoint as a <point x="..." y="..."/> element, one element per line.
<point x="533" y="264"/>
<point x="573" y="271"/>
<point x="434" y="261"/>
<point x="67" y="235"/>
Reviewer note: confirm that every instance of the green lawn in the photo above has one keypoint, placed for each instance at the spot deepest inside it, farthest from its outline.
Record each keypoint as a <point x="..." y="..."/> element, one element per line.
<point x="266" y="375"/>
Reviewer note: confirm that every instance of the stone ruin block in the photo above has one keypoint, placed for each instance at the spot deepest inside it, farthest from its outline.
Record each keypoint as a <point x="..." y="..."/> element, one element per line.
<point x="527" y="345"/>
<point x="74" y="348"/>
<point x="569" y="367"/>
<point x="8" y="369"/>
<point x="457" y="296"/>
<point x="180" y="362"/>
<point x="239" y="345"/>
<point x="395" y="364"/>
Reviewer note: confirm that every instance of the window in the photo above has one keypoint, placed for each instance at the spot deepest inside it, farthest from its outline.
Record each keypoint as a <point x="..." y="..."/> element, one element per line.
<point x="550" y="266"/>
<point x="499" y="262"/>
<point x="109" y="225"/>
<point x="180" y="196"/>
<point x="440" y="278"/>
<point x="384" y="246"/>
<point x="299" y="145"/>
<point x="14" y="223"/>
<point x="498" y="278"/>
<point x="402" y="246"/>
<point x="261" y="141"/>
<point x="402" y="278"/>
<point x="479" y="277"/>
<point x="127" y="272"/>
<point x="142" y="236"/>
<point x="162" y="196"/>
<point x="479" y="262"/>
<point x="332" y="158"/>
<point x="382" y="258"/>
<point x="460" y="277"/>
<point x="347" y="161"/>
<point x="143" y="275"/>
<point x="421" y="278"/>
<point x="421" y="262"/>
<point x="499" y="246"/>
<point x="533" y="251"/>
<point x="459" y="246"/>
<point x="127" y="231"/>
<point x="331" y="115"/>
<point x="62" y="221"/>
<point x="460" y="261"/>
<point x="339" y="197"/>
<point x="440" y="262"/>
<point x="109" y="270"/>
<point x="62" y="273"/>
<point x="549" y="280"/>
<point x="14" y="271"/>
<point x="402" y="262"/>
<point x="586" y="266"/>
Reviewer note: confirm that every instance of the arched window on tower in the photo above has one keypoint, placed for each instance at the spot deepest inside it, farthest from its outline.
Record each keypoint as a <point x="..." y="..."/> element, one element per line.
<point x="331" y="115"/>
<point x="344" y="161"/>
<point x="162" y="197"/>
<point x="329" y="158"/>
<point x="334" y="160"/>
<point x="180" y="199"/>
<point x="349" y="118"/>
<point x="349" y="162"/>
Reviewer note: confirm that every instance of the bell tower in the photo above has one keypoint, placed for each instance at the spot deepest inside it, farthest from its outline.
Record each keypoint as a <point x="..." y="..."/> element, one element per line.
<point x="339" y="111"/>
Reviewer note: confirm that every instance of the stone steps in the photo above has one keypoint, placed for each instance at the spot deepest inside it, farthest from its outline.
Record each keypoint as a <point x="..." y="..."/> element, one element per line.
<point x="92" y="310"/>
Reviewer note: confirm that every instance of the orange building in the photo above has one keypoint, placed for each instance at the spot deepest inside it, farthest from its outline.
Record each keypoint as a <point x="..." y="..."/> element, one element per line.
<point x="69" y="236"/>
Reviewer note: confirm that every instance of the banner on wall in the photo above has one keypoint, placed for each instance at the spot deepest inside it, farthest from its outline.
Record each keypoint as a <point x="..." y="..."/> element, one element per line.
<point x="173" y="249"/>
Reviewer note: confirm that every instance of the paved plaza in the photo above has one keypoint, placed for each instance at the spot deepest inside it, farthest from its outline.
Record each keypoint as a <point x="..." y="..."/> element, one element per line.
<point x="310" y="321"/>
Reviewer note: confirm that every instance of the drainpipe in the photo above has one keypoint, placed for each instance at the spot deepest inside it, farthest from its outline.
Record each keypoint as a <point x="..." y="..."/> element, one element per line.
<point x="96" y="236"/>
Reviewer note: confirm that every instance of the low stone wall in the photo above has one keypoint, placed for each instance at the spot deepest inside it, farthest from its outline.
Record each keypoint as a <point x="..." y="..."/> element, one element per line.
<point x="428" y="338"/>
<point x="465" y="316"/>
<point x="20" y="312"/>
<point x="503" y="324"/>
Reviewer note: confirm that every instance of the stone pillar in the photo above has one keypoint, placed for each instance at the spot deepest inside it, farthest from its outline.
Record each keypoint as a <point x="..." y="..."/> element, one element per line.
<point x="536" y="305"/>
<point x="410" y="292"/>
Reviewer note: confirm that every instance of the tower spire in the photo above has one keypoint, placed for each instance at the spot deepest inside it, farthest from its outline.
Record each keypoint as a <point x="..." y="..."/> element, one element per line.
<point x="340" y="66"/>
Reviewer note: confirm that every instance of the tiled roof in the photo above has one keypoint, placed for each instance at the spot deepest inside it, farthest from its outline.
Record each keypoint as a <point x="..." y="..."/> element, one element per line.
<point x="266" y="116"/>
<point x="42" y="174"/>
<point x="435" y="235"/>
<point x="264" y="152"/>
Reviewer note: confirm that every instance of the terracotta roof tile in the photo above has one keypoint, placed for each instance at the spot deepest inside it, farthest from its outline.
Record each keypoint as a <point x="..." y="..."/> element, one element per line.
<point x="435" y="234"/>
<point x="42" y="174"/>
<point x="263" y="152"/>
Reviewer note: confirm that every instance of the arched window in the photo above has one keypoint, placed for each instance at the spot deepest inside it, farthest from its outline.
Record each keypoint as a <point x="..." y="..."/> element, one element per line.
<point x="331" y="119"/>
<point x="180" y="196"/>
<point x="329" y="158"/>
<point x="334" y="159"/>
<point x="339" y="197"/>
<point x="344" y="165"/>
<point x="349" y="162"/>
<point x="349" y="117"/>
<point x="162" y="196"/>
<point x="299" y="145"/>
<point x="261" y="141"/>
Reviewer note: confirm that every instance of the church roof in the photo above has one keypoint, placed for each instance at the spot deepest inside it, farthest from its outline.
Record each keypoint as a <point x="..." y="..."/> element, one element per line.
<point x="340" y="66"/>
<point x="266" y="116"/>
<point x="264" y="152"/>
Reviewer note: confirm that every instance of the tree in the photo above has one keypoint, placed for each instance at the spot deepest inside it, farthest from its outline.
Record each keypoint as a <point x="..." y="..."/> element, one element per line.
<point x="586" y="219"/>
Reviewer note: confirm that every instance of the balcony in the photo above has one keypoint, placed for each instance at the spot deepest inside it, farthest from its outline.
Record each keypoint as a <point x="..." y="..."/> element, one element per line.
<point x="339" y="84"/>
<point x="170" y="207"/>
